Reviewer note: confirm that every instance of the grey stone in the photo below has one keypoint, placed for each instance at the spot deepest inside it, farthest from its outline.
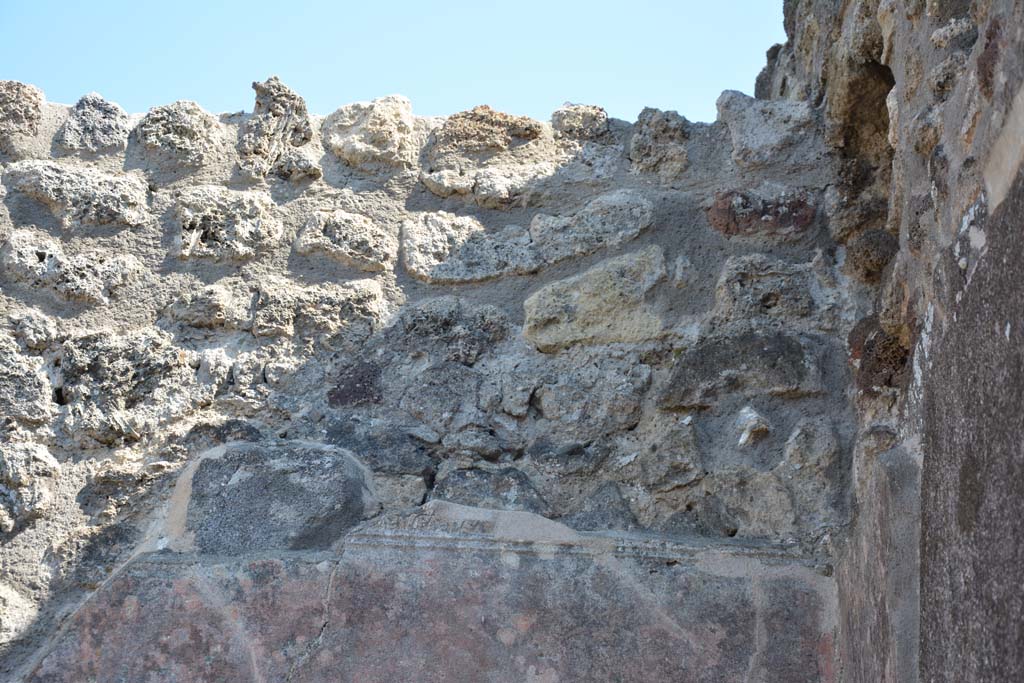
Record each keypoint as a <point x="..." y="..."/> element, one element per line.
<point x="353" y="239"/>
<point x="287" y="496"/>
<point x="748" y="363"/>
<point x="94" y="125"/>
<point x="278" y="123"/>
<point x="505" y="488"/>
<point x="181" y="133"/>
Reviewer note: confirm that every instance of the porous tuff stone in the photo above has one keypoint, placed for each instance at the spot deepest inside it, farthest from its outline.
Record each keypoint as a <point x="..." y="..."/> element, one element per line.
<point x="383" y="132"/>
<point x="218" y="223"/>
<point x="39" y="261"/>
<point x="21" y="110"/>
<point x="489" y="155"/>
<point x="95" y="126"/>
<point x="81" y="196"/>
<point x="269" y="139"/>
<point x="180" y="133"/>
<point x="249" y="498"/>
<point x="350" y="238"/>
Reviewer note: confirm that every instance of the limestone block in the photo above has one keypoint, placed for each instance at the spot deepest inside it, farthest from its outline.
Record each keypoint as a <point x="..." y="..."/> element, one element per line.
<point x="21" y="110"/>
<point x="607" y="220"/>
<point x="383" y="132"/>
<point x="181" y="133"/>
<point x="769" y="132"/>
<point x="659" y="144"/>
<point x="27" y="474"/>
<point x="221" y="224"/>
<point x="600" y="306"/>
<point x="116" y="389"/>
<point x="352" y="239"/>
<point x="81" y="196"/>
<point x="25" y="392"/>
<point x="441" y="248"/>
<point x="582" y="121"/>
<point x="39" y="260"/>
<point x="279" y="123"/>
<point x="489" y="155"/>
<point x="94" y="125"/>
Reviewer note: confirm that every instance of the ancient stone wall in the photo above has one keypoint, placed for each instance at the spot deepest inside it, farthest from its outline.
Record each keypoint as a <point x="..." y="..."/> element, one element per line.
<point x="376" y="396"/>
<point x="933" y="467"/>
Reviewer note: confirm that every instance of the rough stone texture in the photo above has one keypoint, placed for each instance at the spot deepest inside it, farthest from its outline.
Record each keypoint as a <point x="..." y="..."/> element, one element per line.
<point x="269" y="357"/>
<point x="21" y="109"/>
<point x="38" y="260"/>
<point x="603" y="305"/>
<point x="219" y="223"/>
<point x="94" y="126"/>
<point x="770" y="133"/>
<point x="922" y="102"/>
<point x="489" y="155"/>
<point x="580" y="121"/>
<point x="180" y="133"/>
<point x="659" y="143"/>
<point x="269" y="139"/>
<point x="778" y="364"/>
<point x="26" y="473"/>
<point x="350" y="238"/>
<point x="381" y="397"/>
<point x="81" y="196"/>
<point x="383" y="133"/>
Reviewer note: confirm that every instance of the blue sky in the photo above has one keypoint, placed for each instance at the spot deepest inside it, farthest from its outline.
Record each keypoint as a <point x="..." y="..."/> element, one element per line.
<point x="520" y="56"/>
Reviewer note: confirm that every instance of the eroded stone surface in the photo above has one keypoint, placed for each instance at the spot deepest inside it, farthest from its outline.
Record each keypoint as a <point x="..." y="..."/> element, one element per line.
<point x="81" y="196"/>
<point x="279" y="124"/>
<point x="21" y="109"/>
<point x="489" y="155"/>
<point x="94" y="125"/>
<point x="659" y="143"/>
<point x="383" y="132"/>
<point x="38" y="260"/>
<point x="27" y="471"/>
<point x="180" y="133"/>
<point x="769" y="132"/>
<point x="353" y="239"/>
<point x="218" y="223"/>
<point x="600" y="306"/>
